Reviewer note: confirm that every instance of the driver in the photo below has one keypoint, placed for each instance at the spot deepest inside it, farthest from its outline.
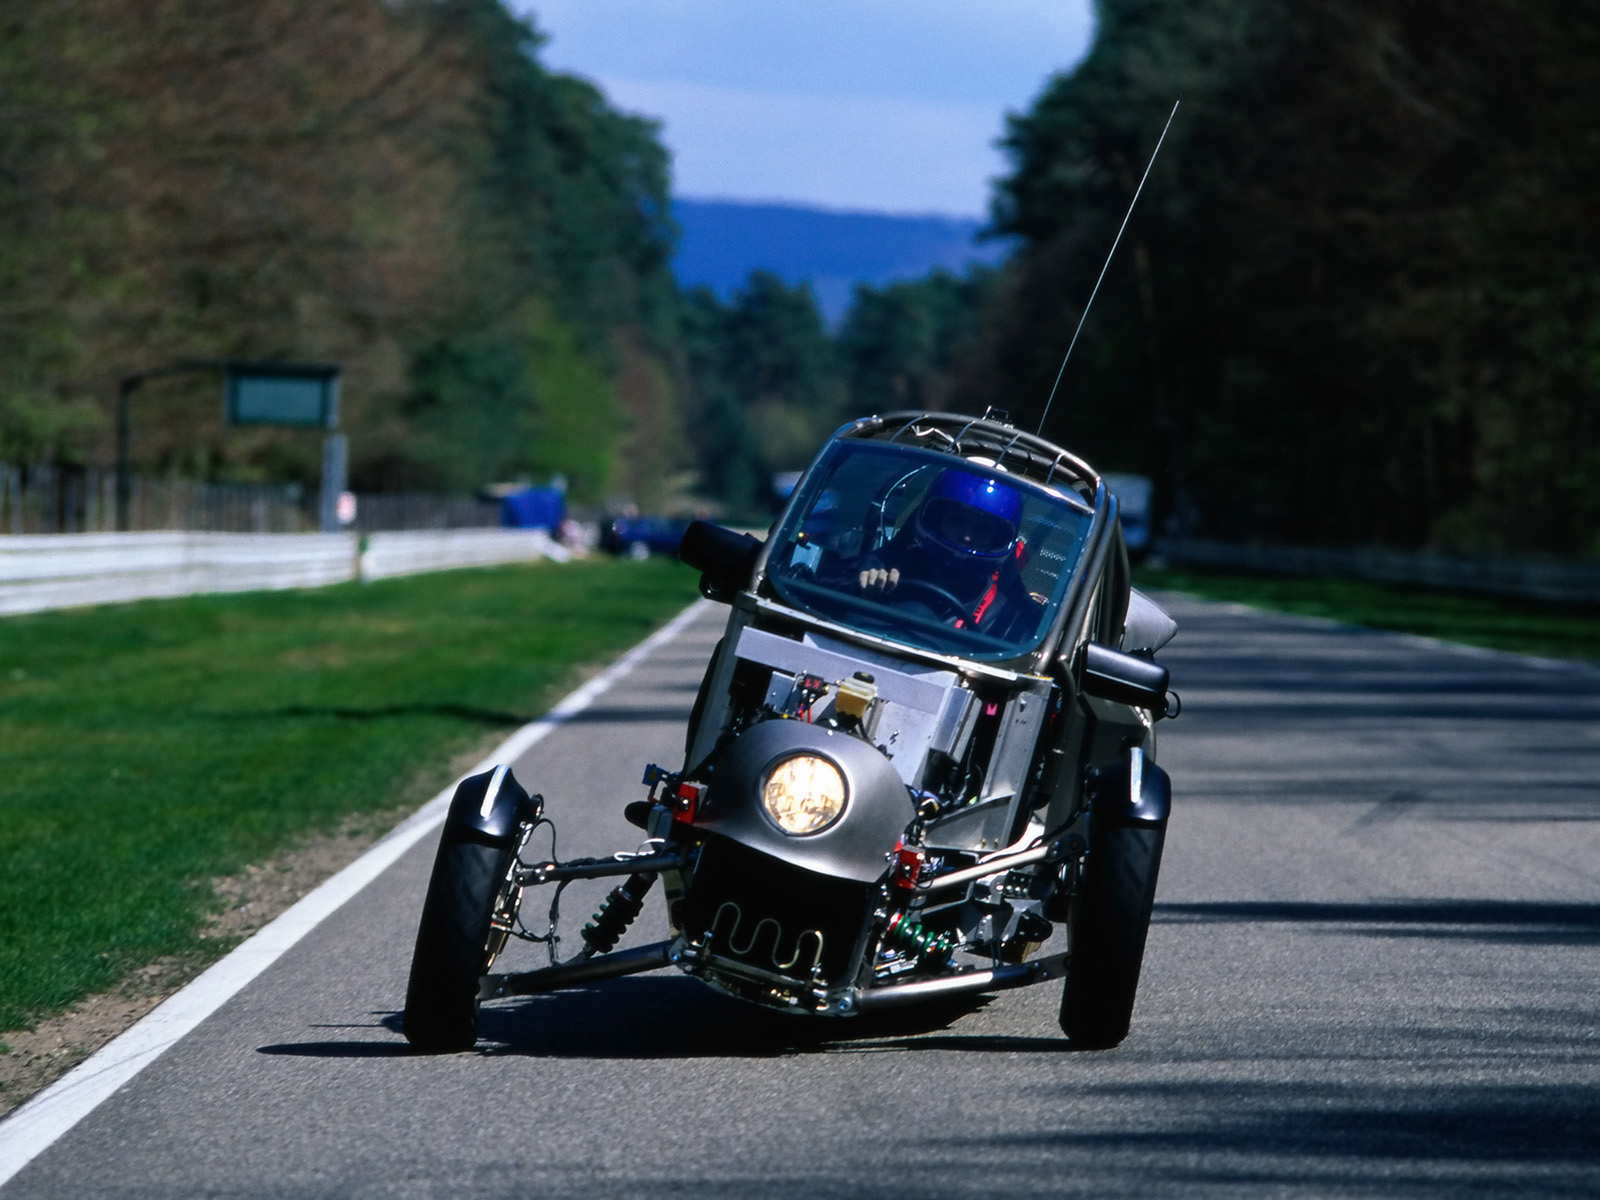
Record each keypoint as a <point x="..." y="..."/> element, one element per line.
<point x="963" y="542"/>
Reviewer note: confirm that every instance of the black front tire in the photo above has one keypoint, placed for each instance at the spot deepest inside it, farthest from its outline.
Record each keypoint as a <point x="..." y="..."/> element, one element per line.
<point x="457" y="941"/>
<point x="1110" y="920"/>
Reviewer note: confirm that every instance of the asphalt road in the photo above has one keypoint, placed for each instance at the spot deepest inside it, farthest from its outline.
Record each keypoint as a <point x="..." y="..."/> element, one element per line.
<point x="1375" y="971"/>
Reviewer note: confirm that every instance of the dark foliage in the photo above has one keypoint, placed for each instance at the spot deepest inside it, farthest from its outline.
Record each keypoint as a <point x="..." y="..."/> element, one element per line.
<point x="395" y="185"/>
<point x="1357" y="302"/>
<point x="764" y="387"/>
<point x="900" y="343"/>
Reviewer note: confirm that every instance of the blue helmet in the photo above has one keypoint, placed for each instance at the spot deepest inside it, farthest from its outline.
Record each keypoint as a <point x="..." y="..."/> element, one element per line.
<point x="970" y="515"/>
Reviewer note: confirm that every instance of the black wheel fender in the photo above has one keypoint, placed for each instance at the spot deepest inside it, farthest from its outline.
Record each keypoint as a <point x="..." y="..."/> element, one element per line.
<point x="492" y="807"/>
<point x="1129" y="808"/>
<point x="473" y="877"/>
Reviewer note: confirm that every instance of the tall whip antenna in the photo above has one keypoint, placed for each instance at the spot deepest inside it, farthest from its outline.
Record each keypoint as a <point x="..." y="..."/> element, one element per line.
<point x="1107" y="267"/>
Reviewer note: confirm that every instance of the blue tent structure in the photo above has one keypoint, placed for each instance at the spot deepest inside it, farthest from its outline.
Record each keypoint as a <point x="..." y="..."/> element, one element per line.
<point x="533" y="508"/>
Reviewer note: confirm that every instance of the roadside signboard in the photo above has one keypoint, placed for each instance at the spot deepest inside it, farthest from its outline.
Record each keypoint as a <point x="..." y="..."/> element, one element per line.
<point x="282" y="394"/>
<point x="254" y="393"/>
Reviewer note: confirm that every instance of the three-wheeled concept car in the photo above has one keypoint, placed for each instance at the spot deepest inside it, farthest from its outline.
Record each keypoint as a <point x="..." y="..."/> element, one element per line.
<point x="925" y="745"/>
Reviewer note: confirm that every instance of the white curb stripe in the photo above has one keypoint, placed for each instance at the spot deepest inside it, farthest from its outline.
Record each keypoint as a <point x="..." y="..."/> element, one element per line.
<point x="32" y="1128"/>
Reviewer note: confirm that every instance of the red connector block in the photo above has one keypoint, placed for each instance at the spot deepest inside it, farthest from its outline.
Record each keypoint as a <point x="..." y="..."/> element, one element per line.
<point x="907" y="866"/>
<point x="686" y="802"/>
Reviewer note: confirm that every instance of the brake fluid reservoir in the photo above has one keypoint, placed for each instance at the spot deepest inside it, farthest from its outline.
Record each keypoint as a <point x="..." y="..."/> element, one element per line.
<point x="854" y="697"/>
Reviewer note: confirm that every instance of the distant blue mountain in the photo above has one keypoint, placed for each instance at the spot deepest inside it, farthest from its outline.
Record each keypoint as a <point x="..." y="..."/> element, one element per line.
<point x="723" y="241"/>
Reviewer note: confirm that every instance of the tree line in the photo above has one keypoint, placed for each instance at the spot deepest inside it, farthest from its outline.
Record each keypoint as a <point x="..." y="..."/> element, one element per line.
<point x="1356" y="304"/>
<point x="1358" y="301"/>
<point x="398" y="186"/>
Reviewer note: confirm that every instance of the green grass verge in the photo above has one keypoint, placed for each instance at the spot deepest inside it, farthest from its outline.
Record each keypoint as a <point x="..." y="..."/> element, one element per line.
<point x="1521" y="626"/>
<point x="147" y="748"/>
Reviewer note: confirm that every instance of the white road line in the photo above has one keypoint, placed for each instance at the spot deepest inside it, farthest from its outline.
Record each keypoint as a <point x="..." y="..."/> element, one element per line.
<point x="32" y="1128"/>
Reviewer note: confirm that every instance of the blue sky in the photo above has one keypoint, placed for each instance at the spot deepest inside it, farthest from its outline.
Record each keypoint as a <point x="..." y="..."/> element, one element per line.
<point x="875" y="105"/>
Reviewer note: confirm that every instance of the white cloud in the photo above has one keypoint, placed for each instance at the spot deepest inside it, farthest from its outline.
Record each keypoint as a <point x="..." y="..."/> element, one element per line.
<point x="998" y="51"/>
<point x="879" y="104"/>
<point x="877" y="154"/>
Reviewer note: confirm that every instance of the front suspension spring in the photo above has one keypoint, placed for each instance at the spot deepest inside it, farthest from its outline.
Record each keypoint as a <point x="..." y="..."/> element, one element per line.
<point x="905" y="934"/>
<point x="617" y="912"/>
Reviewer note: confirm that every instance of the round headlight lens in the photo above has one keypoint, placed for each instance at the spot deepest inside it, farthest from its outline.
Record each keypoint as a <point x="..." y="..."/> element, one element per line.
<point x="804" y="794"/>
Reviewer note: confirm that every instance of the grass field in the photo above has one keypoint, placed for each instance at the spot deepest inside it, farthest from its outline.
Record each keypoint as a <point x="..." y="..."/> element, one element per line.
<point x="147" y="748"/>
<point x="1521" y="626"/>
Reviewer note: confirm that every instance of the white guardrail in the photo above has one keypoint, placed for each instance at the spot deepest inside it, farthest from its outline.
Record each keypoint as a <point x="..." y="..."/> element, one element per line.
<point x="66" y="570"/>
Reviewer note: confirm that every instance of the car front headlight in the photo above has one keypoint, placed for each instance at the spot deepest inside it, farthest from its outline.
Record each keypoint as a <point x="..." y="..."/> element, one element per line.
<point x="803" y="794"/>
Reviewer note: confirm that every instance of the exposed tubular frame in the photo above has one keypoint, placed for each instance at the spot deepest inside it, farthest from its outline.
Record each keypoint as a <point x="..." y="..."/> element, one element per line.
<point x="697" y="959"/>
<point x="602" y="868"/>
<point x="993" y="866"/>
<point x="856" y="1000"/>
<point x="656" y="955"/>
<point x="610" y="965"/>
<point x="859" y="1000"/>
<point x="968" y="437"/>
<point x="991" y="979"/>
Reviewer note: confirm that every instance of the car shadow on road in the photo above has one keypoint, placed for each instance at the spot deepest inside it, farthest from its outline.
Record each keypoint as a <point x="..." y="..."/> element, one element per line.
<point x="671" y="1017"/>
<point x="384" y="1049"/>
<point x="666" y="1016"/>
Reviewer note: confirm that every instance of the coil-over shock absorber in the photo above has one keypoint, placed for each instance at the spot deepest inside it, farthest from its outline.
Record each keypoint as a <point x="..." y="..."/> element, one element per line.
<point x="617" y="913"/>
<point x="905" y="934"/>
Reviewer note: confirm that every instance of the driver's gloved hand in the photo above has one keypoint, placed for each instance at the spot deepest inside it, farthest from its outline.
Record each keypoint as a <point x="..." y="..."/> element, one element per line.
<point x="878" y="579"/>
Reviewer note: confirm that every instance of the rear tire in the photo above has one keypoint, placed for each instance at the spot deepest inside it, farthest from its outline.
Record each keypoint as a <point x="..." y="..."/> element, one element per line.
<point x="1110" y="919"/>
<point x="457" y="941"/>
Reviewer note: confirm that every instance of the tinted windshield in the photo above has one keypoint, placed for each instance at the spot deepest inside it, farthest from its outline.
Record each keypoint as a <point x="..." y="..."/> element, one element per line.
<point x="928" y="549"/>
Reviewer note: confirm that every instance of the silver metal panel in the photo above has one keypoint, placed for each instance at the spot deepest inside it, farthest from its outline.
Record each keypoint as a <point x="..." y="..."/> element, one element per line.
<point x="925" y="692"/>
<point x="918" y="709"/>
<point x="956" y="720"/>
<point x="1019" y="735"/>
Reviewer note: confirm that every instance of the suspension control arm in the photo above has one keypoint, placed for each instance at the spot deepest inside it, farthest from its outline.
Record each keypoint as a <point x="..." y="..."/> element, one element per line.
<point x="597" y="868"/>
<point x="602" y="966"/>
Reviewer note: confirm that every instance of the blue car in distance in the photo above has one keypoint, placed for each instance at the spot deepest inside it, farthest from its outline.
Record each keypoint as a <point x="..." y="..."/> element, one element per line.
<point x="640" y="537"/>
